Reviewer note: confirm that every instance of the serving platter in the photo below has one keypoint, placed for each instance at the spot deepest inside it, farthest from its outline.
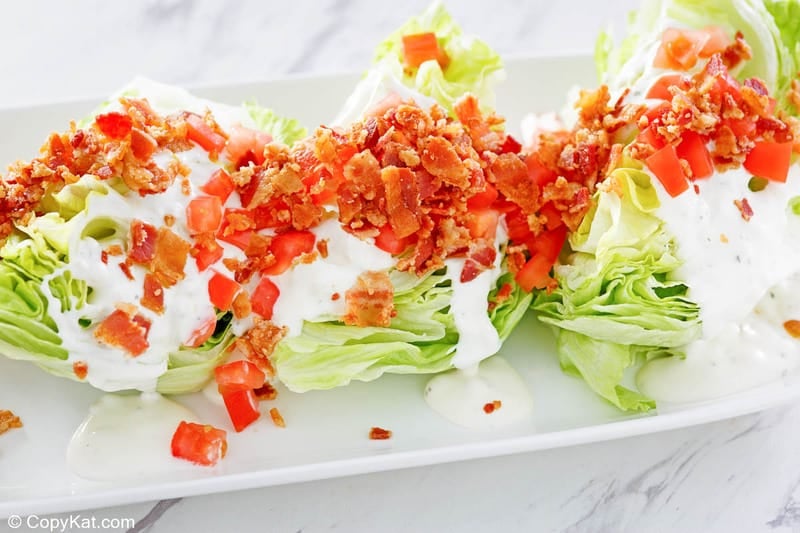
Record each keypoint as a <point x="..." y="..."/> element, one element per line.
<point x="326" y="432"/>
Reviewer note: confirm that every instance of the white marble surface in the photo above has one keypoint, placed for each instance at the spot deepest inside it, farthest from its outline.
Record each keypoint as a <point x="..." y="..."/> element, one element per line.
<point x="738" y="475"/>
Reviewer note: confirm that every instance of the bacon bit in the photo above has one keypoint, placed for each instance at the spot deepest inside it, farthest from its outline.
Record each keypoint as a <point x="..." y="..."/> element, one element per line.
<point x="266" y="392"/>
<point x="491" y="407"/>
<point x="794" y="95"/>
<point x="696" y="188"/>
<point x="8" y="421"/>
<point x="792" y="327"/>
<point x="169" y="220"/>
<point x="241" y="305"/>
<point x="335" y="296"/>
<point x="370" y="302"/>
<point x="169" y="258"/>
<point x="376" y="433"/>
<point x="143" y="145"/>
<point x="259" y="342"/>
<point x="123" y="330"/>
<point x="723" y="238"/>
<point x="80" y="369"/>
<point x="744" y="208"/>
<point x="115" y="250"/>
<point x="126" y="269"/>
<point x="142" y="245"/>
<point x="322" y="248"/>
<point x="402" y="199"/>
<point x="104" y="257"/>
<point x="277" y="418"/>
<point x="153" y="297"/>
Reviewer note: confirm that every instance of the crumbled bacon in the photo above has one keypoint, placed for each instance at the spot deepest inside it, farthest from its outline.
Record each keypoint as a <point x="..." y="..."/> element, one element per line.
<point x="241" y="305"/>
<point x="169" y="258"/>
<point x="277" y="418"/>
<point x="492" y="406"/>
<point x="124" y="330"/>
<point x="792" y="327"/>
<point x="744" y="208"/>
<point x="266" y="392"/>
<point x="153" y="296"/>
<point x="80" y="369"/>
<point x="378" y="433"/>
<point x="142" y="242"/>
<point x="370" y="302"/>
<point x="259" y="342"/>
<point x="126" y="269"/>
<point x="8" y="421"/>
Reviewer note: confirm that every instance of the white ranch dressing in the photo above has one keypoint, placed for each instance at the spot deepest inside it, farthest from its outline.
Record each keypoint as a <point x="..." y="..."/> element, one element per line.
<point x="127" y="438"/>
<point x="742" y="275"/>
<point x="461" y="396"/>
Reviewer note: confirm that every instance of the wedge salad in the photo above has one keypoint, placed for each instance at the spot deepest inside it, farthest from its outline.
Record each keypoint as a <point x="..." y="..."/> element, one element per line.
<point x="168" y="244"/>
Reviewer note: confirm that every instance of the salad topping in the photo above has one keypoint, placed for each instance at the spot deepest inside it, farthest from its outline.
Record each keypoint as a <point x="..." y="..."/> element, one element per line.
<point x="9" y="421"/>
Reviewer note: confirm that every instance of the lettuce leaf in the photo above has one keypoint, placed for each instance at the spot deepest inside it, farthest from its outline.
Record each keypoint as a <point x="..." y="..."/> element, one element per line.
<point x="616" y="301"/>
<point x="770" y="28"/>
<point x="473" y="68"/>
<point x="420" y="340"/>
<point x="284" y="130"/>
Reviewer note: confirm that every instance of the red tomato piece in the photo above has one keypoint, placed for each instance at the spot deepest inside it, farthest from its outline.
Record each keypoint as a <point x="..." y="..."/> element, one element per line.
<point x="220" y="185"/>
<point x="693" y="149"/>
<point x="142" y="144"/>
<point x="388" y="241"/>
<point x="667" y="168"/>
<point x="206" y="255"/>
<point x="718" y="41"/>
<point x="535" y="274"/>
<point x="245" y="143"/>
<point x="538" y="172"/>
<point x="549" y="243"/>
<point x="286" y="247"/>
<point x="517" y="225"/>
<point x="650" y="136"/>
<point x="510" y="145"/>
<point x="238" y="376"/>
<point x="201" y="133"/>
<point x="484" y="198"/>
<point x="553" y="216"/>
<point x="204" y="214"/>
<point x="660" y="89"/>
<point x="482" y="223"/>
<point x="202" y="333"/>
<point x="221" y="291"/>
<point x="114" y="125"/>
<point x="264" y="297"/>
<point x="421" y="47"/>
<point x="242" y="406"/>
<point x="770" y="160"/>
<point x="199" y="443"/>
<point x="658" y="111"/>
<point x="680" y="49"/>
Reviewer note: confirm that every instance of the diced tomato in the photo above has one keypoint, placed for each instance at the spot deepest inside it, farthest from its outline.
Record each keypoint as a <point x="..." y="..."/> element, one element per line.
<point x="206" y="255"/>
<point x="770" y="160"/>
<point x="202" y="333"/>
<point x="517" y="225"/>
<point x="201" y="133"/>
<point x="220" y="185"/>
<point x="245" y="142"/>
<point x="242" y="406"/>
<point x="693" y="149"/>
<point x="264" y="297"/>
<point x="680" y="49"/>
<point x="718" y="41"/>
<point x="286" y="247"/>
<point x="238" y="376"/>
<point x="142" y="144"/>
<point x="535" y="274"/>
<point x="549" y="243"/>
<point x="204" y="214"/>
<point x="482" y="223"/>
<point x="667" y="168"/>
<point x="511" y="145"/>
<point x="553" y="216"/>
<point x="741" y="127"/>
<point x="266" y="216"/>
<point x="199" y="443"/>
<point x="484" y="198"/>
<point x="240" y="239"/>
<point x="660" y="89"/>
<point x="540" y="173"/>
<point x="388" y="241"/>
<point x="221" y="291"/>
<point x="650" y="136"/>
<point x="114" y="125"/>
<point x="142" y="246"/>
<point x="422" y="47"/>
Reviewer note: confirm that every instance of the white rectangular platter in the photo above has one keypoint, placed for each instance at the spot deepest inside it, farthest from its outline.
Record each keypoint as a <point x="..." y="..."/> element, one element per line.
<point x="326" y="433"/>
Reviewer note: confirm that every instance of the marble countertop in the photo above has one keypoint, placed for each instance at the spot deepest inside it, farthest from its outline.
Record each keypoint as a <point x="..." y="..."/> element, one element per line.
<point x="737" y="475"/>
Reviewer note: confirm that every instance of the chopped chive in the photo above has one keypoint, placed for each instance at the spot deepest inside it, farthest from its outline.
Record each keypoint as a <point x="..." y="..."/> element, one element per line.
<point x="757" y="184"/>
